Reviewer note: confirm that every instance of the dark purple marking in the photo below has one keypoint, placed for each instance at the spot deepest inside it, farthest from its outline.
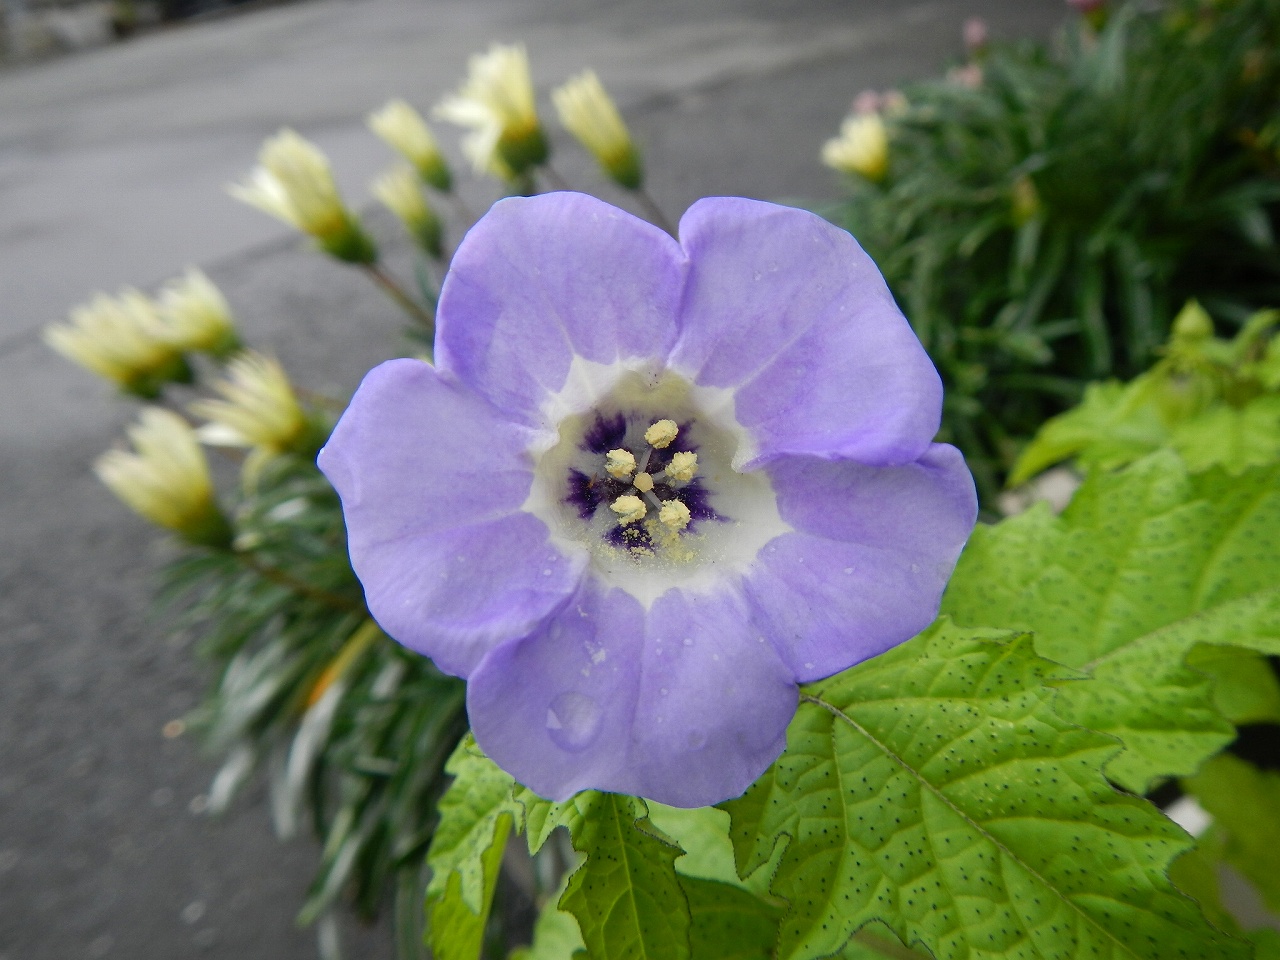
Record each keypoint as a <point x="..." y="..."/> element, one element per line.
<point x="606" y="434"/>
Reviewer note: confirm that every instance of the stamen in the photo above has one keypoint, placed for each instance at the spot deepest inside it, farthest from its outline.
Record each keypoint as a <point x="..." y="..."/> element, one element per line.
<point x="619" y="464"/>
<point x="629" y="509"/>
<point x="643" y="482"/>
<point x="674" y="515"/>
<point x="661" y="434"/>
<point x="682" y="467"/>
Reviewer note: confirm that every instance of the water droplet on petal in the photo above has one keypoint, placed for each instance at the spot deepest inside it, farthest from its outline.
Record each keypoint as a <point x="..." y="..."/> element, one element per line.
<point x="664" y="691"/>
<point x="688" y="641"/>
<point x="848" y="570"/>
<point x="573" y="721"/>
<point x="546" y="572"/>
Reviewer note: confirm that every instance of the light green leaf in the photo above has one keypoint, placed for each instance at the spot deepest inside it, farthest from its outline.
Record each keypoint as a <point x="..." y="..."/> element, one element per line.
<point x="1141" y="567"/>
<point x="1267" y="943"/>
<point x="1245" y="804"/>
<point x="479" y="795"/>
<point x="625" y="895"/>
<point x="1235" y="438"/>
<point x="477" y="813"/>
<point x="728" y="923"/>
<point x="934" y="788"/>
<point x="555" y="937"/>
<point x="703" y="834"/>
<point x="1195" y="873"/>
<point x="1245" y="688"/>
<point x="454" y="930"/>
<point x="541" y="817"/>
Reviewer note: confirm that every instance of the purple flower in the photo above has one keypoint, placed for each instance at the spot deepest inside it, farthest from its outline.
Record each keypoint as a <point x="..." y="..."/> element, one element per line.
<point x="650" y="487"/>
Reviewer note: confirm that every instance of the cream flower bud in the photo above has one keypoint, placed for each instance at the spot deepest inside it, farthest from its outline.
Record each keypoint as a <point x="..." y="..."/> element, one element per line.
<point x="122" y="339"/>
<point x="293" y="183"/>
<point x="404" y="130"/>
<point x="587" y="111"/>
<point x="258" y="408"/>
<point x="197" y="315"/>
<point x="862" y="147"/>
<point x="629" y="509"/>
<point x="401" y="193"/>
<point x="496" y="103"/>
<point x="167" y="479"/>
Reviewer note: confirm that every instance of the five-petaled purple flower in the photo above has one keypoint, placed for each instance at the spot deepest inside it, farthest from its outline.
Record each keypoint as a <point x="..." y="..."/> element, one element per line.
<point x="650" y="487"/>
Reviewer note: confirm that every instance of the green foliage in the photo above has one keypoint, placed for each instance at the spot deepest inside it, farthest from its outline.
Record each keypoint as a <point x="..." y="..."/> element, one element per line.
<point x="310" y="688"/>
<point x="1041" y="229"/>
<point x="1144" y="565"/>
<point x="625" y="895"/>
<point x="934" y="788"/>
<point x="1245" y="804"/>
<point x="1214" y="402"/>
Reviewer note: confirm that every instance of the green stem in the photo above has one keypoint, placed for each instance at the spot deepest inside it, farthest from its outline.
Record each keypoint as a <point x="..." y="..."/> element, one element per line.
<point x="392" y="288"/>
<point x="282" y="579"/>
<point x="654" y="211"/>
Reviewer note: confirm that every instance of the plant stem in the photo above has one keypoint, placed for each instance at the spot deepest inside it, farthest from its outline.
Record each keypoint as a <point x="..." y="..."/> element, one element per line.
<point x="654" y="211"/>
<point x="283" y="579"/>
<point x="556" y="181"/>
<point x="392" y="288"/>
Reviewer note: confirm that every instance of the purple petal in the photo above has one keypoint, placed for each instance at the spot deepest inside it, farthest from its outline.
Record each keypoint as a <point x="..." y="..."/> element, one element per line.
<point x="714" y="704"/>
<point x="555" y="710"/>
<point x="788" y="311"/>
<point x="607" y="698"/>
<point x="541" y="279"/>
<point x="872" y="550"/>
<point x="432" y="479"/>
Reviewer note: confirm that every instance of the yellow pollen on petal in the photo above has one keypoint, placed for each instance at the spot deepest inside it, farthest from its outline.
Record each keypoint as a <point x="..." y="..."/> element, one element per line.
<point x="629" y="509"/>
<point x="674" y="515"/>
<point x="620" y="464"/>
<point x="643" y="482"/>
<point x="661" y="434"/>
<point x="683" y="466"/>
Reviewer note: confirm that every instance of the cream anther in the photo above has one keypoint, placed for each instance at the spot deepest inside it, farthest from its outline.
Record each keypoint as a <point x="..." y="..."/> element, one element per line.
<point x="629" y="509"/>
<point x="674" y="514"/>
<point x="682" y="467"/>
<point x="661" y="434"/>
<point x="620" y="464"/>
<point x="643" y="482"/>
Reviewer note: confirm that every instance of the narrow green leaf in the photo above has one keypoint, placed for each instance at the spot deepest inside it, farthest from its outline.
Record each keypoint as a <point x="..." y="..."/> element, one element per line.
<point x="625" y="895"/>
<point x="1244" y="802"/>
<point x="934" y="788"/>
<point x="1141" y="567"/>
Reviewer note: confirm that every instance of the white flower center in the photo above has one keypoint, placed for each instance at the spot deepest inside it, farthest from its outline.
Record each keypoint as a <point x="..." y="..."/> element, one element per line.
<point x="636" y="469"/>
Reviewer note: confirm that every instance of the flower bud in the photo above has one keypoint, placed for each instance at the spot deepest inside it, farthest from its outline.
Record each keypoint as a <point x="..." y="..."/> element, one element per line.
<point x="293" y="183"/>
<point x="122" y="339"/>
<point x="400" y="192"/>
<point x="496" y="103"/>
<point x="862" y="147"/>
<point x="197" y="316"/>
<point x="404" y="130"/>
<point x="1025" y="200"/>
<point x="258" y="409"/>
<point x="587" y="111"/>
<point x="167" y="479"/>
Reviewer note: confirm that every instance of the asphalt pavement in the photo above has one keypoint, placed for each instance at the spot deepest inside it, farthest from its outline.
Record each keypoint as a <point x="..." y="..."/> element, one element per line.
<point x="113" y="164"/>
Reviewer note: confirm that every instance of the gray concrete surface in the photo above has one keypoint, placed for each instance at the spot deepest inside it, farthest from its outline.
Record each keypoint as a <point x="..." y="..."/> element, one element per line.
<point x="112" y="167"/>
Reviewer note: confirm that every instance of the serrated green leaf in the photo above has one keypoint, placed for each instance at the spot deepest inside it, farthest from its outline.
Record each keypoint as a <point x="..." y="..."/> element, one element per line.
<point x="555" y="935"/>
<point x="542" y="817"/>
<point x="728" y="923"/>
<point x="703" y="834"/>
<point x="454" y="930"/>
<point x="1195" y="873"/>
<point x="1245" y="688"/>
<point x="1143" y="565"/>
<point x="478" y="798"/>
<point x="625" y="895"/>
<point x="934" y="788"/>
<point x="1245" y="804"/>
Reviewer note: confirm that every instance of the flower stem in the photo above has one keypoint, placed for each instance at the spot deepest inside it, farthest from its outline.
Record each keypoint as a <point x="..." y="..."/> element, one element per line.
<point x="553" y="178"/>
<point x="654" y="211"/>
<point x="281" y="578"/>
<point x="379" y="275"/>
